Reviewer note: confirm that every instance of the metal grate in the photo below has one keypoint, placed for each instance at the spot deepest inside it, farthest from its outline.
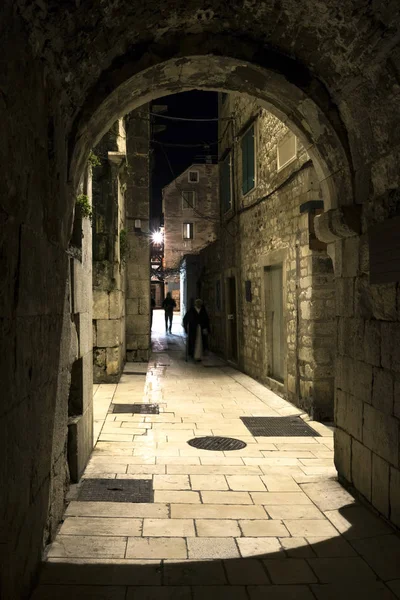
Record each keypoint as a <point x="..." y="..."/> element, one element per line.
<point x="142" y="409"/>
<point x="216" y="443"/>
<point x="116" y="490"/>
<point x="279" y="426"/>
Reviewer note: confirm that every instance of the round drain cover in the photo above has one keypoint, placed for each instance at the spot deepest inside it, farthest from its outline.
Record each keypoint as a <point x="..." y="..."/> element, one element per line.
<point x="216" y="443"/>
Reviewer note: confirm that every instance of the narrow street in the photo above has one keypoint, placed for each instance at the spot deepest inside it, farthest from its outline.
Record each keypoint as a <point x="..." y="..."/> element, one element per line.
<point x="266" y="521"/>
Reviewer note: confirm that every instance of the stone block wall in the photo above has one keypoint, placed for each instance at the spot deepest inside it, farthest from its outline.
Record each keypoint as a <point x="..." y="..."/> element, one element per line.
<point x="367" y="404"/>
<point x="138" y="246"/>
<point x="204" y="216"/>
<point x="109" y="279"/>
<point x="80" y="399"/>
<point x="267" y="228"/>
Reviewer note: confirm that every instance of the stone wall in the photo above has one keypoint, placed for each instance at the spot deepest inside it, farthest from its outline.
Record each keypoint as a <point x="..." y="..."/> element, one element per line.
<point x="80" y="400"/>
<point x="337" y="83"/>
<point x="266" y="228"/>
<point x="109" y="278"/>
<point x="138" y="243"/>
<point x="367" y="407"/>
<point x="204" y="216"/>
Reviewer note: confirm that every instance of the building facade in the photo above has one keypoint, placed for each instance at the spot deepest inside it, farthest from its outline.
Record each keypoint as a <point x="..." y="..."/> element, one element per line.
<point x="267" y="281"/>
<point x="121" y="255"/>
<point x="191" y="218"/>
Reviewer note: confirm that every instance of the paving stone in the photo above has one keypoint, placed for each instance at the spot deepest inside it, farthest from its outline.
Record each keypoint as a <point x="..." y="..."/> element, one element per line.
<point x="280" y="484"/>
<point x="200" y="548"/>
<point x="279" y="498"/>
<point x="328" y="546"/>
<point x="349" y="591"/>
<point x="231" y="592"/>
<point x="291" y="511"/>
<point x="280" y="592"/>
<point x="246" y="571"/>
<point x="159" y="593"/>
<point x="395" y="587"/>
<point x="217" y="528"/>
<point x="79" y="592"/>
<point x="382" y="553"/>
<point x="213" y="470"/>
<point x="328" y="495"/>
<point x="101" y="571"/>
<point x="356" y="522"/>
<point x="73" y="546"/>
<point x="289" y="570"/>
<point x="116" y="509"/>
<point x="296" y="547"/>
<point x="208" y="482"/>
<point x="310" y="527"/>
<point x="331" y="570"/>
<point x="177" y="497"/>
<point x="226" y="498"/>
<point x="145" y="468"/>
<point x="256" y="528"/>
<point x="168" y="527"/>
<point x="153" y="547"/>
<point x="194" y="573"/>
<point x="101" y="526"/>
<point x="260" y="547"/>
<point x="245" y="483"/>
<point x="171" y="482"/>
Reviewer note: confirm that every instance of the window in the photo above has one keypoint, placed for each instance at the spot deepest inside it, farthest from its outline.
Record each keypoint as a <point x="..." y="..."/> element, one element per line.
<point x="188" y="199"/>
<point x="188" y="231"/>
<point x="287" y="150"/>
<point x="248" y="160"/>
<point x="193" y="177"/>
<point x="226" y="183"/>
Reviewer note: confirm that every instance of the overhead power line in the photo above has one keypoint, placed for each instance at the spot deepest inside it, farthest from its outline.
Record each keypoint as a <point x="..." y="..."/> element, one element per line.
<point x="191" y="119"/>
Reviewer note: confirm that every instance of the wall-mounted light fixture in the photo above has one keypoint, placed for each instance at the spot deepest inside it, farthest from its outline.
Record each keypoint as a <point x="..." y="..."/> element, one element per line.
<point x="138" y="225"/>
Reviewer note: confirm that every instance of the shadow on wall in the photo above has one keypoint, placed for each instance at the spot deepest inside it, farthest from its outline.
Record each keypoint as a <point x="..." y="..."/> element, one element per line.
<point x="292" y="568"/>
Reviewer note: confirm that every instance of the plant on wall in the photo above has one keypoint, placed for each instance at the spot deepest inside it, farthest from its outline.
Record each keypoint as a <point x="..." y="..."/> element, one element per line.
<point x="93" y="159"/>
<point x="123" y="244"/>
<point x="83" y="204"/>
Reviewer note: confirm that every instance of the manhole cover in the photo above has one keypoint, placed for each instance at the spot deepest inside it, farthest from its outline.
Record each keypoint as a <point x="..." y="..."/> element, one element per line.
<point x="116" y="490"/>
<point x="216" y="443"/>
<point x="279" y="426"/>
<point x="142" y="409"/>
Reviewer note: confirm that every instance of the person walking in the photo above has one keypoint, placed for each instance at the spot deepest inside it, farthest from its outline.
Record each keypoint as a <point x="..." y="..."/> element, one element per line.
<point x="168" y="305"/>
<point x="197" y="327"/>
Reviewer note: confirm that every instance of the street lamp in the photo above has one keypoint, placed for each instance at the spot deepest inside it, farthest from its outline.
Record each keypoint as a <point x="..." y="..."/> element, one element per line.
<point x="157" y="237"/>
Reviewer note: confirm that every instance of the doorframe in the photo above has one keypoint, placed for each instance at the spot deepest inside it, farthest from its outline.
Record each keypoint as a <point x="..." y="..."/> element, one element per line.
<point x="229" y="273"/>
<point x="274" y="258"/>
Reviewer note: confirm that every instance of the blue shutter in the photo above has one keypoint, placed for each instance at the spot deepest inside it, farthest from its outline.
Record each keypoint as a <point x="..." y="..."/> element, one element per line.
<point x="244" y="164"/>
<point x="250" y="159"/>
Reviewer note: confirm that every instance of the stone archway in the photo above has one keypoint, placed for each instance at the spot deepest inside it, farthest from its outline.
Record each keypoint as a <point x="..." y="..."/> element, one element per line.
<point x="299" y="101"/>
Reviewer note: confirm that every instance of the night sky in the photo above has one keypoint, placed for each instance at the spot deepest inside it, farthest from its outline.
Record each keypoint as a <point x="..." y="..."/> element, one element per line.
<point x="194" y="104"/>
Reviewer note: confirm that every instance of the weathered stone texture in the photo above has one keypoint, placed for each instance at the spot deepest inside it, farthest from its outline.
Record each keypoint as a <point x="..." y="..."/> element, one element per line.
<point x="269" y="221"/>
<point x="65" y="86"/>
<point x="109" y="277"/>
<point x="138" y="254"/>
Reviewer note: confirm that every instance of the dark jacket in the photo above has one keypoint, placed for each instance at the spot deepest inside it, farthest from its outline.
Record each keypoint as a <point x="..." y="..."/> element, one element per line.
<point x="169" y="304"/>
<point x="190" y="322"/>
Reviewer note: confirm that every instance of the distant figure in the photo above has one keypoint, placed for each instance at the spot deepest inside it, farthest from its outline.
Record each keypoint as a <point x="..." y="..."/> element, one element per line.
<point x="152" y="307"/>
<point x="197" y="326"/>
<point x="168" y="305"/>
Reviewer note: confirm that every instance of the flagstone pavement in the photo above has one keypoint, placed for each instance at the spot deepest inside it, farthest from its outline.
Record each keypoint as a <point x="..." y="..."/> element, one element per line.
<point x="269" y="521"/>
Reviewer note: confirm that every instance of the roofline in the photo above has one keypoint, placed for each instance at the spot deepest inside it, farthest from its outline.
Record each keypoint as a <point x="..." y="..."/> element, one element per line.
<point x="188" y="169"/>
